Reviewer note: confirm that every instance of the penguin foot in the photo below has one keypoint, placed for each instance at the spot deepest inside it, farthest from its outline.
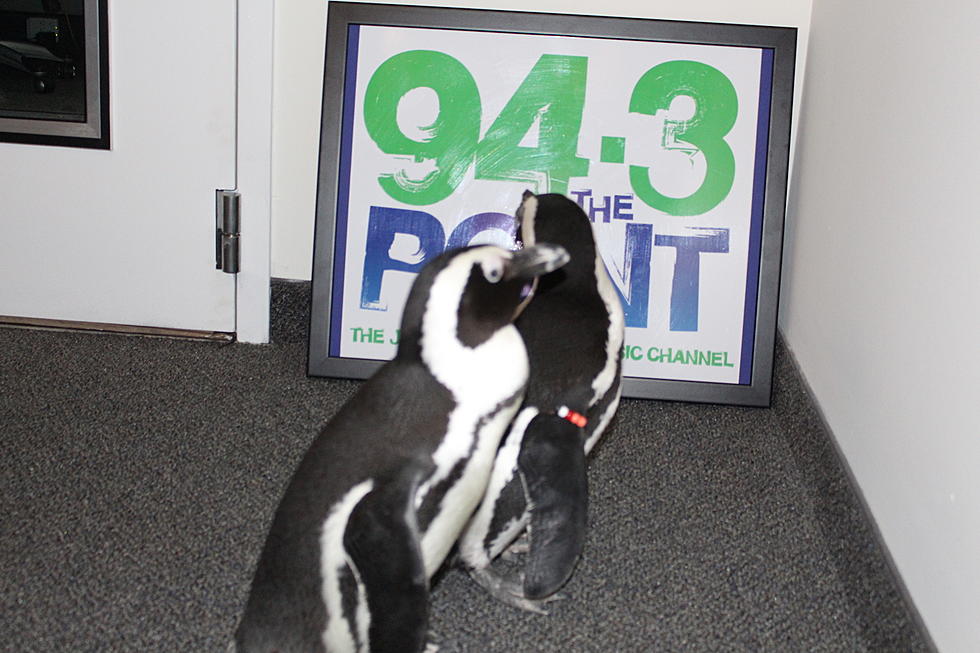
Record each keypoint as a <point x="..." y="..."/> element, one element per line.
<point x="520" y="546"/>
<point x="510" y="591"/>
<point x="431" y="642"/>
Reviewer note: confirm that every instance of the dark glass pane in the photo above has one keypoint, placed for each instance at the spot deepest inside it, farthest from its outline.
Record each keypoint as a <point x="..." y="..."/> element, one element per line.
<point x="42" y="60"/>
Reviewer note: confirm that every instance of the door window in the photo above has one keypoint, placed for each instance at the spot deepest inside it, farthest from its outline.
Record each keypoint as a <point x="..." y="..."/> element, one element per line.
<point x="54" y="72"/>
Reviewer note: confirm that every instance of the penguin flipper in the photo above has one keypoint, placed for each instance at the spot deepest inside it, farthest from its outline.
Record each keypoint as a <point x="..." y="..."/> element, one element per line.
<point x="552" y="466"/>
<point x="382" y="540"/>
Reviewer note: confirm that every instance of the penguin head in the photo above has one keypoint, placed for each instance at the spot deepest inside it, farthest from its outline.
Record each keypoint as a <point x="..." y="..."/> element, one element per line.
<point x="554" y="218"/>
<point x="467" y="295"/>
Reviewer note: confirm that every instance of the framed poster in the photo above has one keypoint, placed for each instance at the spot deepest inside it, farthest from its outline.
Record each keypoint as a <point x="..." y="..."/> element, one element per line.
<point x="672" y="136"/>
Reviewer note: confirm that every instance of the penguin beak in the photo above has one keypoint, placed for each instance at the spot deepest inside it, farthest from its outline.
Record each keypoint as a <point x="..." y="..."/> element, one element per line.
<point x="531" y="262"/>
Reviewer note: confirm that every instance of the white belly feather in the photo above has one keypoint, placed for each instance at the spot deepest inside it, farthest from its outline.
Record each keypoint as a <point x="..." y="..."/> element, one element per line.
<point x="465" y="494"/>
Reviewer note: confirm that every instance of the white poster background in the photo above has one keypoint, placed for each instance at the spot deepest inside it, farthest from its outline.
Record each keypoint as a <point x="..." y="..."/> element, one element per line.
<point x="499" y="62"/>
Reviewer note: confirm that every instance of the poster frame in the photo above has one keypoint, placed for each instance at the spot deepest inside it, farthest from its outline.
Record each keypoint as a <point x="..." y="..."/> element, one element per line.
<point x="765" y="253"/>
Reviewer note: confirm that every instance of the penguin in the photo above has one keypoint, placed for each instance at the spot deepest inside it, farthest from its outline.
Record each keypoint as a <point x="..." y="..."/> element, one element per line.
<point x="573" y="329"/>
<point x="387" y="486"/>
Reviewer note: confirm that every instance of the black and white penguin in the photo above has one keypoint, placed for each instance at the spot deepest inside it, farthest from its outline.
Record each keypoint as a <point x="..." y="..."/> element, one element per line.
<point x="573" y="329"/>
<point x="388" y="485"/>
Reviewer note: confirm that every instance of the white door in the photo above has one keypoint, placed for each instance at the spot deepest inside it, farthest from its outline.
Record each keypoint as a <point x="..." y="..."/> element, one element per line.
<point x="126" y="235"/>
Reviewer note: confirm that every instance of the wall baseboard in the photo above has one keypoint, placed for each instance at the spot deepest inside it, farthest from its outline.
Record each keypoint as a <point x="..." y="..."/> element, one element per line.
<point x="863" y="504"/>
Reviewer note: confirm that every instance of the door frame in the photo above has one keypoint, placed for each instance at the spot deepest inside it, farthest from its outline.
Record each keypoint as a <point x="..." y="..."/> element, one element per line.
<point x="256" y="26"/>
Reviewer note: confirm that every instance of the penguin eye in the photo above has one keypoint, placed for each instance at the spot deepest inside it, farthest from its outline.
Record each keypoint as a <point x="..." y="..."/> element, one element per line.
<point x="493" y="270"/>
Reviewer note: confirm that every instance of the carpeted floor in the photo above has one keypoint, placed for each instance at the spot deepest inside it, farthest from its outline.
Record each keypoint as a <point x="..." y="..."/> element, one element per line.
<point x="138" y="476"/>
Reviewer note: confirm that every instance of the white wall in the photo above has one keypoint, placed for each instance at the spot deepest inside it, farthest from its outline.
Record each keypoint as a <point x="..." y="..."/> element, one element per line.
<point x="881" y="284"/>
<point x="300" y="28"/>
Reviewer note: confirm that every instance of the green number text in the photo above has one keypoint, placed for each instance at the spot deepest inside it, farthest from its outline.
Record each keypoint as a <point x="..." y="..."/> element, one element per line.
<point x="553" y="93"/>
<point x="451" y="139"/>
<point x="716" y="109"/>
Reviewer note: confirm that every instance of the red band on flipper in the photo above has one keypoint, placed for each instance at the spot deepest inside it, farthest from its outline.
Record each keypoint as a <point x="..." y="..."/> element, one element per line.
<point x="578" y="419"/>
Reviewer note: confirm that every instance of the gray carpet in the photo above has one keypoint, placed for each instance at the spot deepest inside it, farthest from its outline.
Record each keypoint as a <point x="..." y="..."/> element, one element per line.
<point x="138" y="476"/>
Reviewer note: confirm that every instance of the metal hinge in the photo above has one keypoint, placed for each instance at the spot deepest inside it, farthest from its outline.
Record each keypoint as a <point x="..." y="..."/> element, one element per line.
<point x="227" y="232"/>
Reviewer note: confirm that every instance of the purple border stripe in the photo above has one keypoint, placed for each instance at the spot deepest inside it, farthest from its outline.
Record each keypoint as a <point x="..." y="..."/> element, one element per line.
<point x="755" y="230"/>
<point x="343" y="190"/>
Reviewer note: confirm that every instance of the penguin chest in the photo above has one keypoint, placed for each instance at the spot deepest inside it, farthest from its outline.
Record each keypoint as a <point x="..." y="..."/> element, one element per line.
<point x="609" y="376"/>
<point x="463" y="467"/>
<point x="487" y="383"/>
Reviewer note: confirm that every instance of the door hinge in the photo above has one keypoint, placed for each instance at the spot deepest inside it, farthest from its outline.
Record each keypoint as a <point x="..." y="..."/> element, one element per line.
<point x="227" y="232"/>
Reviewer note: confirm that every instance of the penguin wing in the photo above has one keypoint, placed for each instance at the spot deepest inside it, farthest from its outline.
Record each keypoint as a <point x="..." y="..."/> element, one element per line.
<point x="552" y="466"/>
<point x="382" y="540"/>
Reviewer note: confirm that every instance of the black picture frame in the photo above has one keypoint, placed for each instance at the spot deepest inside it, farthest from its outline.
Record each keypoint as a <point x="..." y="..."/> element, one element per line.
<point x="765" y="254"/>
<point x="88" y="129"/>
